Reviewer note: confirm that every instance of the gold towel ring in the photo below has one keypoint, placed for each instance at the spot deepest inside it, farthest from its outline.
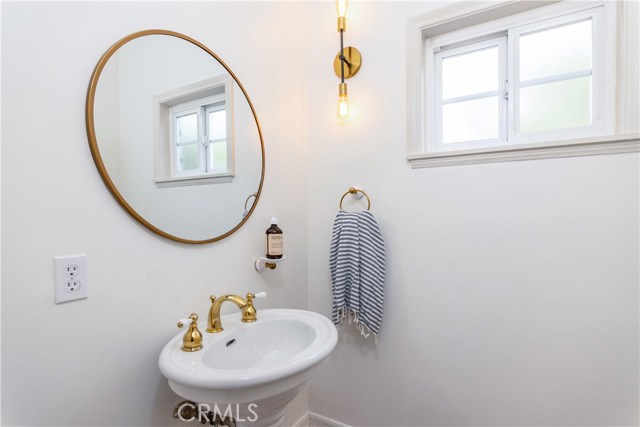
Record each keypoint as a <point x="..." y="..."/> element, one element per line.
<point x="246" y="211"/>
<point x="354" y="191"/>
<point x="249" y="198"/>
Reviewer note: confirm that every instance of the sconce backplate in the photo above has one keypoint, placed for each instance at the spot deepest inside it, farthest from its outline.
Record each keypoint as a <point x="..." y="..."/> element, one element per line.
<point x="352" y="64"/>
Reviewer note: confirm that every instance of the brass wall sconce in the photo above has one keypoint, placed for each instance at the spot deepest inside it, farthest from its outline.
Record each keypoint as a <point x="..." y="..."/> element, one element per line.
<point x="347" y="62"/>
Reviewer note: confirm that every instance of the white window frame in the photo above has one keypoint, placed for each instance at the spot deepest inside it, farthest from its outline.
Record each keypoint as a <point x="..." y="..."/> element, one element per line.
<point x="214" y="93"/>
<point x="202" y="108"/>
<point x="501" y="43"/>
<point x="212" y="108"/>
<point x="601" y="117"/>
<point x="464" y="21"/>
<point x="175" y="113"/>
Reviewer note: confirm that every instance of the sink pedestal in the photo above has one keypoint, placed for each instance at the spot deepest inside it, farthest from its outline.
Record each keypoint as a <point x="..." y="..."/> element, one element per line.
<point x="269" y="411"/>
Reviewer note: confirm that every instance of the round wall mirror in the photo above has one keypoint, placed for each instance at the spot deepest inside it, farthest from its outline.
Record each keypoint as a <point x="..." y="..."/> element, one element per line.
<point x="175" y="136"/>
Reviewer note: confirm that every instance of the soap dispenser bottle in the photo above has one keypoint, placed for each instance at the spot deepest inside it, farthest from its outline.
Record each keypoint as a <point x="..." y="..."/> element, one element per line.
<point x="274" y="240"/>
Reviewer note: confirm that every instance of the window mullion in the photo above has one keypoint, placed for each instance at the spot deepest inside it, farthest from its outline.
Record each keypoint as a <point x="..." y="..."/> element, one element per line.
<point x="202" y="139"/>
<point x="511" y="86"/>
<point x="556" y="78"/>
<point x="183" y="144"/>
<point x="437" y="101"/>
<point x="503" y="96"/>
<point x="471" y="97"/>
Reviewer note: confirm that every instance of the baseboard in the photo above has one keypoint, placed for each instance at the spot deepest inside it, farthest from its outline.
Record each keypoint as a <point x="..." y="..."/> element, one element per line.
<point x="311" y="419"/>
<point x="317" y="420"/>
<point x="302" y="422"/>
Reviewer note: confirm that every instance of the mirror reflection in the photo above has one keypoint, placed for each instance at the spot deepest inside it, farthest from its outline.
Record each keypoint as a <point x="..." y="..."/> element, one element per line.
<point x="175" y="137"/>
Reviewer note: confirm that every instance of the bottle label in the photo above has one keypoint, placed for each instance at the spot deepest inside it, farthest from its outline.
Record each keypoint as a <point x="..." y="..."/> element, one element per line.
<point x="275" y="244"/>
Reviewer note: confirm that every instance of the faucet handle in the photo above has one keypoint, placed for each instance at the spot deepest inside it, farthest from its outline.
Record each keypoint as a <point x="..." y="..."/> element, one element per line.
<point x="192" y="318"/>
<point x="192" y="340"/>
<point x="262" y="294"/>
<point x="249" y="313"/>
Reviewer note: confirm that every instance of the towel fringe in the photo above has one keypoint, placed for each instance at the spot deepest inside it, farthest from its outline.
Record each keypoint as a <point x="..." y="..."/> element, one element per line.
<point x="352" y="315"/>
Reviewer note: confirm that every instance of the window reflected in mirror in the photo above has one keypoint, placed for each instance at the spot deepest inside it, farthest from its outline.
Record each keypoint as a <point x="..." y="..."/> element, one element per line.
<point x="197" y="138"/>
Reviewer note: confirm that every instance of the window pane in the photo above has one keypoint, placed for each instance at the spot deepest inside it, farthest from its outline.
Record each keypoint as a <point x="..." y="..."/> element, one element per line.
<point x="470" y="73"/>
<point x="556" y="51"/>
<point x="218" y="155"/>
<point x="562" y="104"/>
<point x="187" y="128"/>
<point x="217" y="124"/>
<point x="470" y="120"/>
<point x="188" y="157"/>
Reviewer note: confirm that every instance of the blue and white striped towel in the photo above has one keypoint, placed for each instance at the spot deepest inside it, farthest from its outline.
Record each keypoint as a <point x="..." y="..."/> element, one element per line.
<point x="356" y="261"/>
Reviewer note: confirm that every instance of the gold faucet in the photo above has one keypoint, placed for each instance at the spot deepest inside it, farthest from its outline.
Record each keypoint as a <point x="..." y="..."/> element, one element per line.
<point x="249" y="313"/>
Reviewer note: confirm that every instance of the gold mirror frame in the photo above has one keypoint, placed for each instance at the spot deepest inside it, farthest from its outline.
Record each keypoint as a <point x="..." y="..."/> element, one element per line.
<point x="95" y="151"/>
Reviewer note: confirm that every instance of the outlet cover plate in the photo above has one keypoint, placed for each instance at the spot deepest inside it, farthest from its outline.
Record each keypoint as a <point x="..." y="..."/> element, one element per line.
<point x="70" y="273"/>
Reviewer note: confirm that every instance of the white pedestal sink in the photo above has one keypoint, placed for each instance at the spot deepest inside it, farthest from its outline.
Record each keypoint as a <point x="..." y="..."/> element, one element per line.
<point x="257" y="368"/>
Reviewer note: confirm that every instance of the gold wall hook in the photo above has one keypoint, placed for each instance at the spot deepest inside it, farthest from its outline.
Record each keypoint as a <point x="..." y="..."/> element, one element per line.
<point x="262" y="263"/>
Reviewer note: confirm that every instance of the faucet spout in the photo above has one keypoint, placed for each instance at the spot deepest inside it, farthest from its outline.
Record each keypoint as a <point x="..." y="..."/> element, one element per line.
<point x="213" y="321"/>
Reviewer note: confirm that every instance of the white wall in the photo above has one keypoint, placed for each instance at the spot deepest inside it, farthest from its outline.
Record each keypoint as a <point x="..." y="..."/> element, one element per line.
<point x="94" y="362"/>
<point x="512" y="288"/>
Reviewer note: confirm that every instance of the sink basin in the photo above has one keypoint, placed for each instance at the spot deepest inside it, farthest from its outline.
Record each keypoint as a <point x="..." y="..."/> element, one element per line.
<point x="264" y="363"/>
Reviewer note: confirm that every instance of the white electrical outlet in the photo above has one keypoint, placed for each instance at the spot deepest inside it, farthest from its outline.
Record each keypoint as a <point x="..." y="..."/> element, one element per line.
<point x="70" y="274"/>
<point x="72" y="270"/>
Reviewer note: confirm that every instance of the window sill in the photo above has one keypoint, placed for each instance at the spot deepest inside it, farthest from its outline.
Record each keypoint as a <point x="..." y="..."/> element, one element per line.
<point x="193" y="180"/>
<point x="617" y="144"/>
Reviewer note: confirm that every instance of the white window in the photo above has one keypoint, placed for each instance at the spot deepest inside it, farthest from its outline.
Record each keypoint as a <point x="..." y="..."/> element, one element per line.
<point x="471" y="108"/>
<point x="199" y="138"/>
<point x="502" y="79"/>
<point x="194" y="137"/>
